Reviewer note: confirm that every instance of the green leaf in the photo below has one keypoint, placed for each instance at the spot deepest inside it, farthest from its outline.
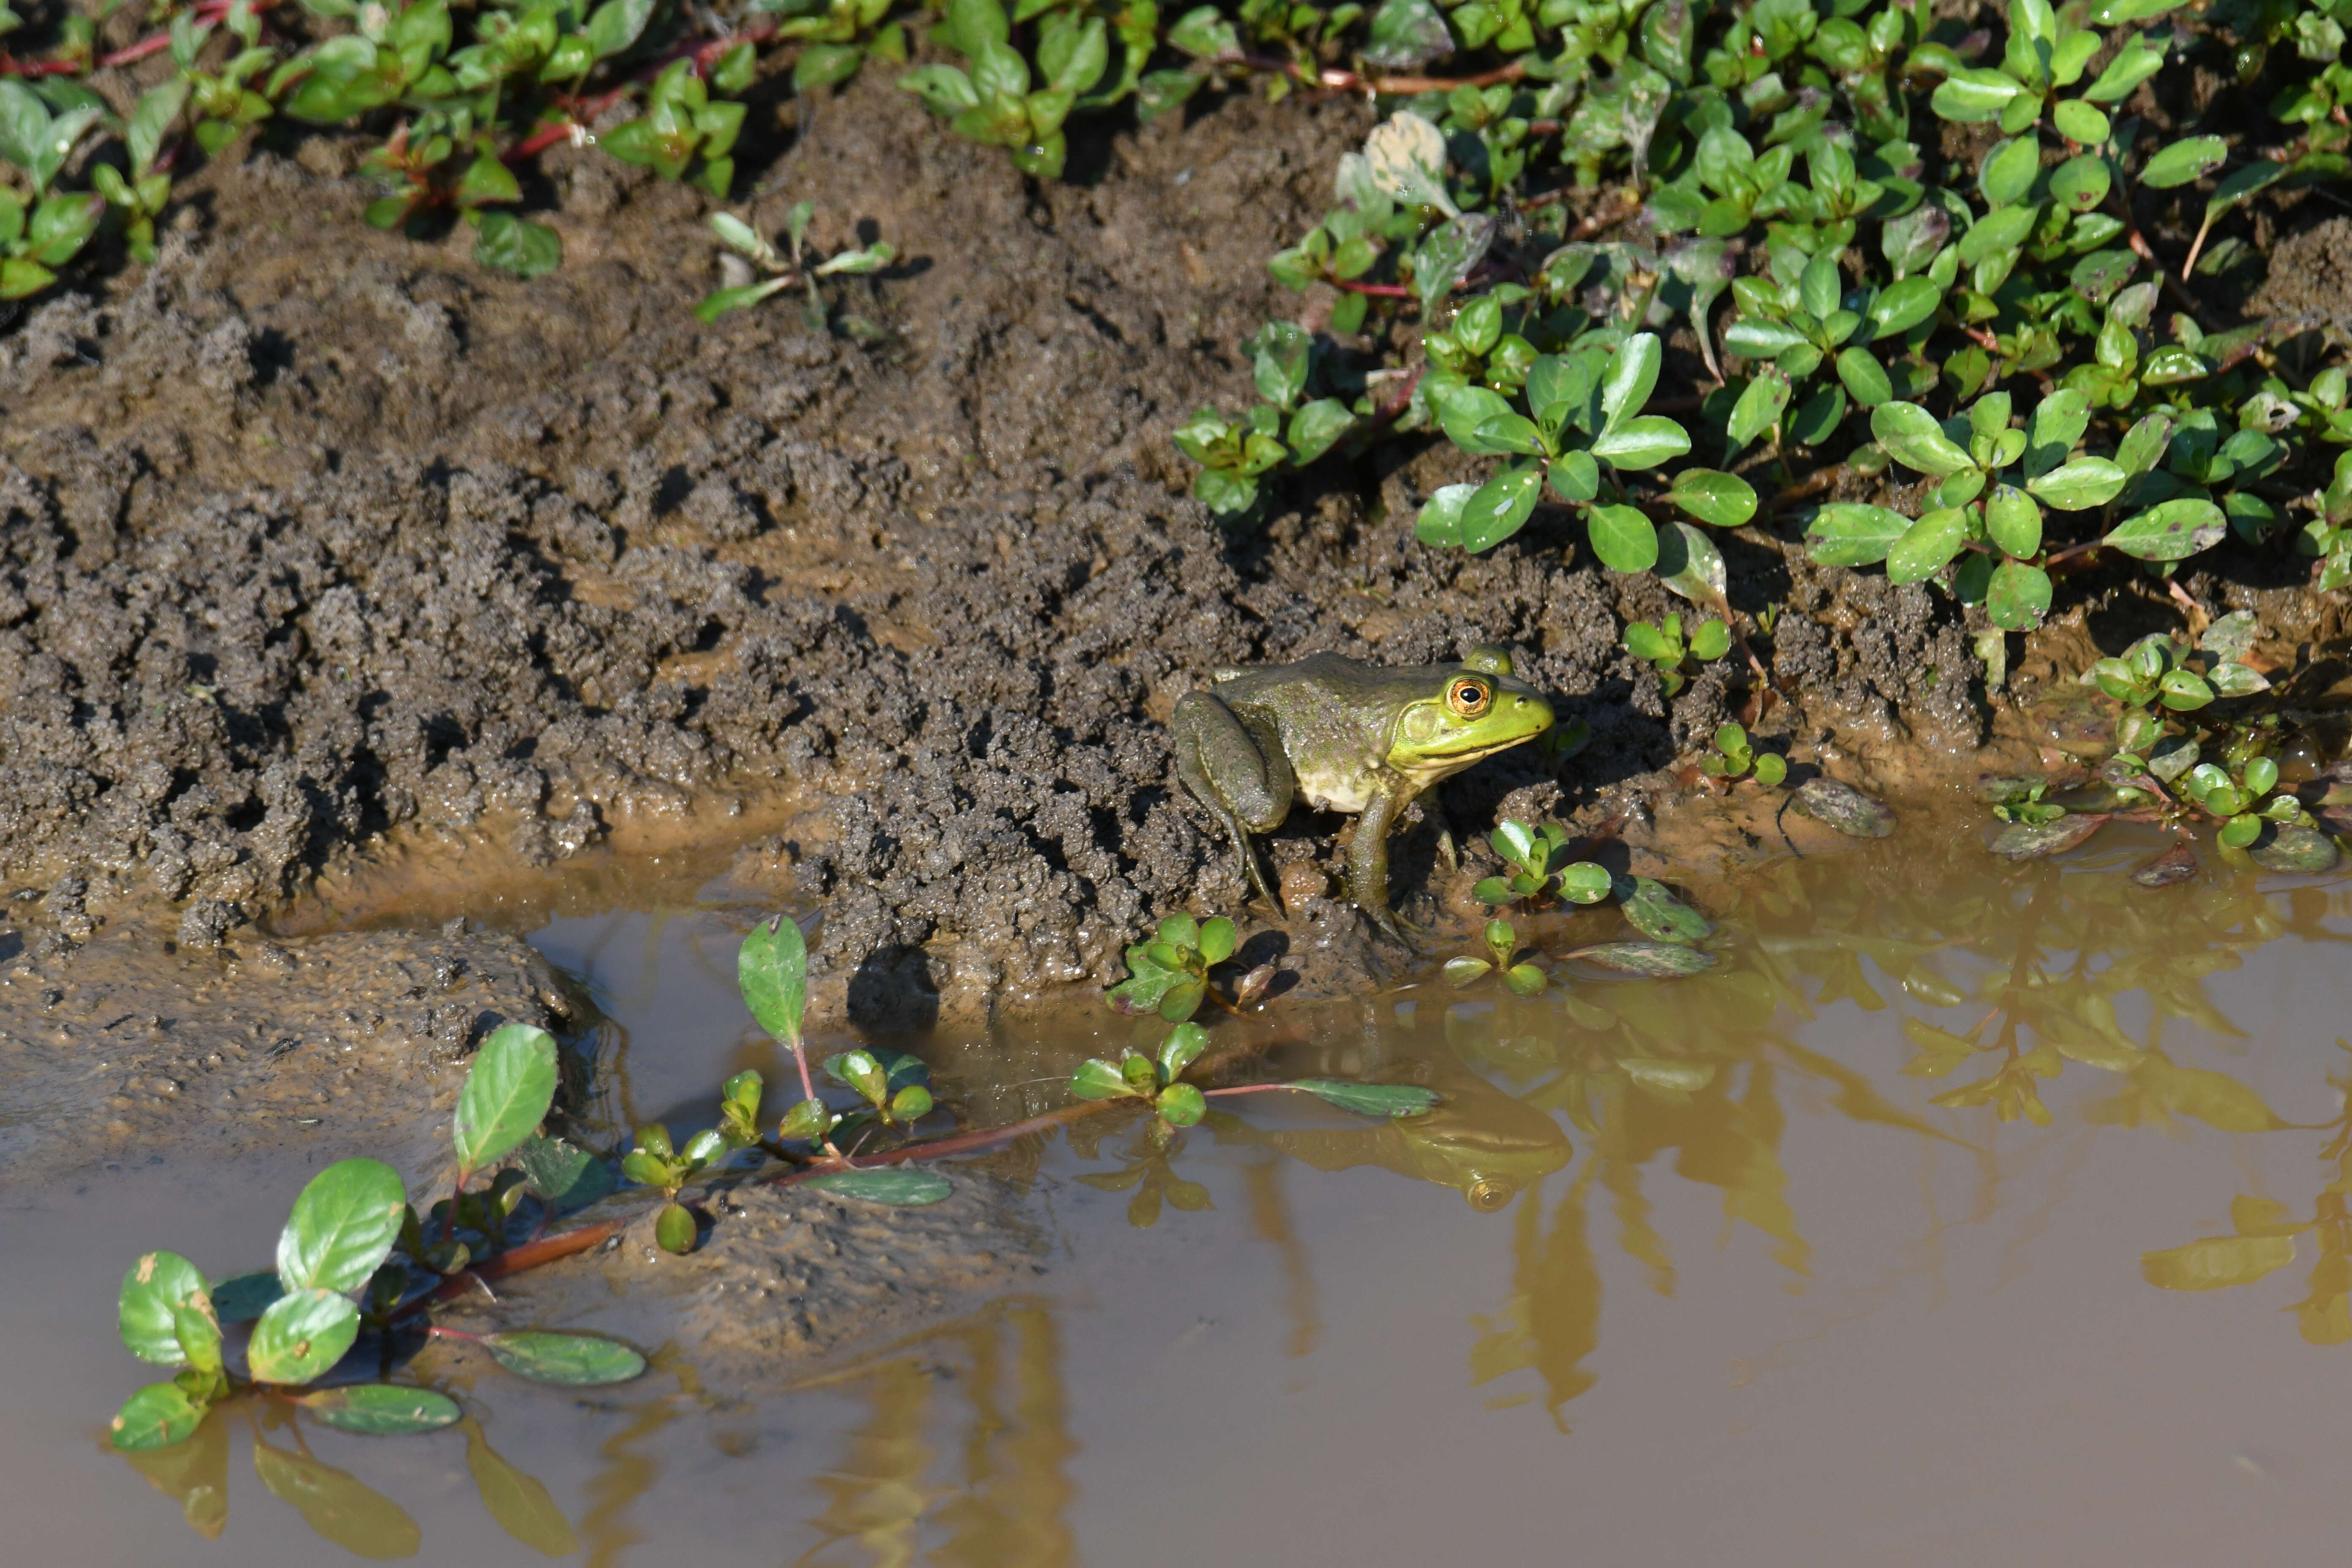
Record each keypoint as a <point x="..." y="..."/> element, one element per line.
<point x="507" y="1095"/>
<point x="1099" y="1079"/>
<point x="1622" y="539"/>
<point x="1500" y="508"/>
<point x="1689" y="563"/>
<point x="1659" y="915"/>
<point x="1759" y="405"/>
<point x="1316" y="427"/>
<point x="157" y="1417"/>
<point x="1971" y="95"/>
<point x="1770" y="770"/>
<point x="617" y="24"/>
<point x="2008" y="170"/>
<point x="1461" y="972"/>
<point x="2058" y="422"/>
<point x="807" y="1121"/>
<point x="2182" y="162"/>
<point x="896" y="1186"/>
<point x="1407" y="34"/>
<point x="1182" y="1105"/>
<point x="674" y="1229"/>
<point x="2034" y="840"/>
<point x="1726" y="500"/>
<point x="1390" y="1100"/>
<point x="1626" y="385"/>
<point x="2080" y="484"/>
<point x="520" y="1503"/>
<point x="1440" y="522"/>
<point x="1850" y="533"/>
<point x="1641" y="443"/>
<point x="154" y="1292"/>
<point x="150" y="119"/>
<point x="563" y="1176"/>
<point x="517" y="245"/>
<point x="382" y="1409"/>
<point x="342" y="1226"/>
<point x="576" y="1360"/>
<point x="2013" y="521"/>
<point x="1182" y="1047"/>
<point x="1865" y="379"/>
<point x="2173" y="531"/>
<point x="2019" y="597"/>
<point x="860" y="1071"/>
<point x="2080" y="123"/>
<point x="487" y="179"/>
<point x="1585" y="883"/>
<point x="826" y="65"/>
<point x="945" y="90"/>
<point x="1652" y="960"/>
<point x="1927" y="546"/>
<point x="771" y="971"/>
<point x="1913" y="438"/>
<point x="301" y="1337"/>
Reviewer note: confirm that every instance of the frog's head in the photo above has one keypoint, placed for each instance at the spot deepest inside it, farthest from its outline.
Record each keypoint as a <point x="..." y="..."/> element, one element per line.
<point x="1471" y="711"/>
<point x="1484" y="1143"/>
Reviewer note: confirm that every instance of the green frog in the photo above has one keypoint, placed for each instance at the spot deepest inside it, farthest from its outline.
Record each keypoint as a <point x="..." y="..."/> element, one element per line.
<point x="1346" y="736"/>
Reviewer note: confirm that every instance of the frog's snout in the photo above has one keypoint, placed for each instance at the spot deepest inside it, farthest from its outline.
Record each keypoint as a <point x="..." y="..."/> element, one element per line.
<point x="1532" y="715"/>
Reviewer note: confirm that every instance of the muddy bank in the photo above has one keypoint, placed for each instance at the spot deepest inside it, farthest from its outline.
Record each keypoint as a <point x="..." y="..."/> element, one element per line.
<point x="294" y="557"/>
<point x="130" y="1044"/>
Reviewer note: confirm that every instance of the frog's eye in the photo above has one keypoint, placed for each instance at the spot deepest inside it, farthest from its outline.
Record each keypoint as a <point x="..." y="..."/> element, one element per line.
<point x="1469" y="697"/>
<point x="1490" y="1194"/>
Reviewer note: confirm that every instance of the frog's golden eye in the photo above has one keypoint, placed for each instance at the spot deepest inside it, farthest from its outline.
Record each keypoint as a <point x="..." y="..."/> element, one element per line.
<point x="1469" y="697"/>
<point x="1490" y="1194"/>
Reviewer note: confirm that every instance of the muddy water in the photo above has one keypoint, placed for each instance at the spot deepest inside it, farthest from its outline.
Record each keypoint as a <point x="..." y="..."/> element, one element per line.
<point x="1681" y="1272"/>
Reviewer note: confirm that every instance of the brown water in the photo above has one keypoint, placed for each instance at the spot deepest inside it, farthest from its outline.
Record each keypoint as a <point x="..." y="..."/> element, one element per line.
<point x="1745" y="1292"/>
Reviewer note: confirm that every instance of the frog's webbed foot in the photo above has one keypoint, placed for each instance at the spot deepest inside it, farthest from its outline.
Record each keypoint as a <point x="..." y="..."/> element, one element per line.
<point x="1396" y="928"/>
<point x="1433" y="810"/>
<point x="1256" y="869"/>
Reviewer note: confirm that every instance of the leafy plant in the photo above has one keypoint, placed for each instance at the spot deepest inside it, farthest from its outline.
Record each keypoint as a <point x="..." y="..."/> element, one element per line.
<point x="795" y="264"/>
<point x="1158" y="1081"/>
<point x="1662" y="647"/>
<point x="1734" y="758"/>
<point x="1525" y="979"/>
<point x="352" y="1257"/>
<point x="1170" y="974"/>
<point x="1540" y="871"/>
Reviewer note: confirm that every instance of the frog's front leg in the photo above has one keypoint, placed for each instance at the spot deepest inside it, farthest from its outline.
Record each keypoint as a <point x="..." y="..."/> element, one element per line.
<point x="1245" y="785"/>
<point x="1433" y="808"/>
<point x="1368" y="863"/>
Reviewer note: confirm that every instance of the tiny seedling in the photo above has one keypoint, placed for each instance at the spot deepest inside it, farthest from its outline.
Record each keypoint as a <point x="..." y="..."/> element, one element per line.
<point x="1540" y="871"/>
<point x="1156" y="1080"/>
<point x="1661" y="646"/>
<point x="797" y="263"/>
<point x="1170" y="974"/>
<point x="1525" y="979"/>
<point x="1734" y="758"/>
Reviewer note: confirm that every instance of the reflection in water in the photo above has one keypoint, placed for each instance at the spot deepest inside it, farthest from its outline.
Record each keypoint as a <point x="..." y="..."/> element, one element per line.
<point x="520" y="1503"/>
<point x="1011" y="1491"/>
<point x="338" y="1504"/>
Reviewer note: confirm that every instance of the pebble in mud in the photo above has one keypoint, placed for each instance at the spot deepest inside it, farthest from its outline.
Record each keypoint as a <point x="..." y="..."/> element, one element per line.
<point x="1844" y="807"/>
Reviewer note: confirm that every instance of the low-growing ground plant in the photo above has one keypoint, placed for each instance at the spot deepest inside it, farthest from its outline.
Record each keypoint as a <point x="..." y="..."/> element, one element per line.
<point x="1158" y="1080"/>
<point x="2194" y="748"/>
<point x="1170" y="974"/>
<point x="1542" y="871"/>
<point x="1734" y="758"/>
<point x="352" y="1257"/>
<point x="1661" y="646"/>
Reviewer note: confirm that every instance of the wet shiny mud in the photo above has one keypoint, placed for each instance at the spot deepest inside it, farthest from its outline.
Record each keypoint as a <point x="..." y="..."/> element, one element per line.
<point x="1962" y="1212"/>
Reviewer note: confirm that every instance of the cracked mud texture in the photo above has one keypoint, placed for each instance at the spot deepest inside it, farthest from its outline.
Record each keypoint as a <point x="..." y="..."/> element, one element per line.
<point x="310" y="534"/>
<point x="117" y="1045"/>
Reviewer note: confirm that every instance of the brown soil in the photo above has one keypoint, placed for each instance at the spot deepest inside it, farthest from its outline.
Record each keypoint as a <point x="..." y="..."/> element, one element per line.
<point x="316" y="540"/>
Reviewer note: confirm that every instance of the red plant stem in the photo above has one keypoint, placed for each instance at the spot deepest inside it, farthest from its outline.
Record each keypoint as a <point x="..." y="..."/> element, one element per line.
<point x="515" y="1259"/>
<point x="582" y="111"/>
<point x="436" y="1331"/>
<point x="40" y="68"/>
<point x="206" y="11"/>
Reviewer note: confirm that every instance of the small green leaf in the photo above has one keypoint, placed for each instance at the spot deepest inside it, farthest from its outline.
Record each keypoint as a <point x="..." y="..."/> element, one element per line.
<point x="1659" y="915"/>
<point x="1099" y="1079"/>
<point x="507" y="1095"/>
<point x="2033" y="840"/>
<point x="382" y="1409"/>
<point x="1586" y="883"/>
<point x="1500" y="508"/>
<point x="1461" y="972"/>
<point x="1915" y="439"/>
<point x="2182" y="162"/>
<point x="342" y="1225"/>
<point x="2172" y="531"/>
<point x="1180" y="1049"/>
<point x="1849" y="533"/>
<point x="2019" y="597"/>
<point x="674" y="1229"/>
<point x="1622" y="539"/>
<point x="1725" y="500"/>
<point x="806" y="1122"/>
<point x="1927" y="546"/>
<point x="575" y="1359"/>
<point x="1182" y="1105"/>
<point x="301" y="1337"/>
<point x="2081" y="484"/>
<point x="899" y="1186"/>
<point x="771" y="970"/>
<point x="1390" y="1100"/>
<point x="517" y="245"/>
<point x="245" y="1296"/>
<point x="157" y="1417"/>
<point x="157" y="1287"/>
<point x="2014" y="521"/>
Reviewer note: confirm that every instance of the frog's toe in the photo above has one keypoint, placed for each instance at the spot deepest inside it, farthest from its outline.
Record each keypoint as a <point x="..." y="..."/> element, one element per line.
<point x="1396" y="927"/>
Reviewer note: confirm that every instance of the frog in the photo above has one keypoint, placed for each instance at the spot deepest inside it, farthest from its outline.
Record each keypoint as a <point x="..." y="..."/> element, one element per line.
<point x="1347" y="736"/>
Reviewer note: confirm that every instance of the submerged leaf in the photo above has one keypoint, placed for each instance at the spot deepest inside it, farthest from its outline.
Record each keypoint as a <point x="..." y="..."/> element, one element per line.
<point x="895" y="1184"/>
<point x="2217" y="1262"/>
<point x="580" y="1360"/>
<point x="1658" y="914"/>
<point x="382" y="1409"/>
<point x="1659" y="960"/>
<point x="2033" y="840"/>
<point x="1370" y="1099"/>
<point x="2176" y="865"/>
<point x="2293" y="848"/>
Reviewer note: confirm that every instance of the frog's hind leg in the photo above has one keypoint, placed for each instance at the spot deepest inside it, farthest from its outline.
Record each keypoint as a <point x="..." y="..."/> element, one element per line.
<point x="1221" y="764"/>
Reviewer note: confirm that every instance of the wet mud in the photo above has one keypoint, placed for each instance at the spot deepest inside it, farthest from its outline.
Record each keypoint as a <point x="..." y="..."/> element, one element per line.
<point x="306" y="569"/>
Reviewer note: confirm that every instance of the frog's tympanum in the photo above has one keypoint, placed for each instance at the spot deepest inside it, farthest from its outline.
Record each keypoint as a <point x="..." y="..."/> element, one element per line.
<point x="1346" y="736"/>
